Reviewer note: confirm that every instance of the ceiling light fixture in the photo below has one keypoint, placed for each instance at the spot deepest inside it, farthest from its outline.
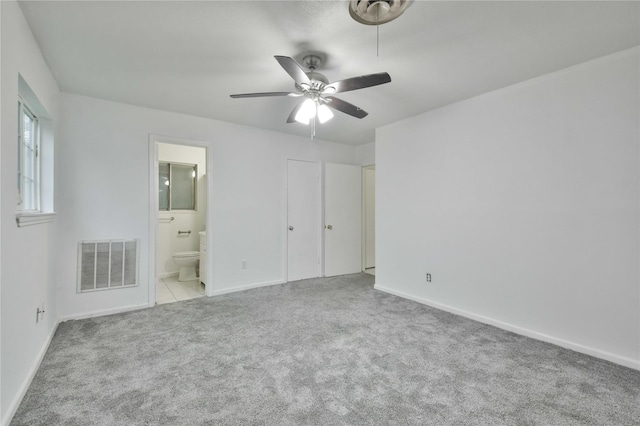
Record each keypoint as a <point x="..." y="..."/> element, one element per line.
<point x="316" y="90"/>
<point x="376" y="12"/>
<point x="324" y="113"/>
<point x="313" y="109"/>
<point x="306" y="112"/>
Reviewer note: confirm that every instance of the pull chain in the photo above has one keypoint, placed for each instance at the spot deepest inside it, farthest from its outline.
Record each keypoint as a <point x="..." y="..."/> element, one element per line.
<point x="377" y="32"/>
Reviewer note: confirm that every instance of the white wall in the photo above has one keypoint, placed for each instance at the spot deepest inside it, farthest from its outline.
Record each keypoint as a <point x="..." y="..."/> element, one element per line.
<point x="24" y="287"/>
<point x="366" y="154"/>
<point x="103" y="192"/>
<point x="523" y="204"/>
<point x="168" y="240"/>
<point x="1" y="221"/>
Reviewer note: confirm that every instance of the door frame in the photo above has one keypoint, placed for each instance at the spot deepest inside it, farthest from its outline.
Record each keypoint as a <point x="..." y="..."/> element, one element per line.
<point x="285" y="217"/>
<point x="154" y="214"/>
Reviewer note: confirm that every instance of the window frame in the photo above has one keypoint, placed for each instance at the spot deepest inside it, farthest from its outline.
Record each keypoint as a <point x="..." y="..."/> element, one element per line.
<point x="26" y="158"/>
<point x="194" y="187"/>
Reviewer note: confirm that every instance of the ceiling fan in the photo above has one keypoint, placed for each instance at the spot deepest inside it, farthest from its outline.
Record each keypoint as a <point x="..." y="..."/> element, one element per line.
<point x="317" y="90"/>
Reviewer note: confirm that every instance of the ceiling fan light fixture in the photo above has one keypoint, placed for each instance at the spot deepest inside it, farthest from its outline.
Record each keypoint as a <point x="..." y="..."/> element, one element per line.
<point x="324" y="114"/>
<point x="379" y="8"/>
<point x="315" y="89"/>
<point x="376" y="12"/>
<point x="306" y="111"/>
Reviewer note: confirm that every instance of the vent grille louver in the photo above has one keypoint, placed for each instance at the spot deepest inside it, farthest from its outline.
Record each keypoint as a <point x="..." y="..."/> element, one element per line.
<point x="107" y="264"/>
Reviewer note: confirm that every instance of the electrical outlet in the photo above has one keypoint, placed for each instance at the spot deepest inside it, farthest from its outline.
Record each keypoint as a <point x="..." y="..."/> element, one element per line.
<point x="39" y="313"/>
<point x="428" y="277"/>
<point x="244" y="263"/>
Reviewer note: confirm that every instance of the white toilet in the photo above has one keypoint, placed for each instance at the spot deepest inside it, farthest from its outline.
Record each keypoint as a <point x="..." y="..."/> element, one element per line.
<point x="187" y="261"/>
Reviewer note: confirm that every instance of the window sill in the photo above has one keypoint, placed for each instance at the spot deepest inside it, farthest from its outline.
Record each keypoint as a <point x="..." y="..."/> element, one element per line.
<point x="34" y="218"/>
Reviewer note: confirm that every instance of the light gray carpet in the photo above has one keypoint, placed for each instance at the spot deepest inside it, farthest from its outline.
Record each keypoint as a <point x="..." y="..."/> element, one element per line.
<point x="326" y="351"/>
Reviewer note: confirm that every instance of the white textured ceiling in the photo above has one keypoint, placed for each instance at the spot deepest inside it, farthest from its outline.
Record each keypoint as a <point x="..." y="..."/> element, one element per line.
<point x="188" y="57"/>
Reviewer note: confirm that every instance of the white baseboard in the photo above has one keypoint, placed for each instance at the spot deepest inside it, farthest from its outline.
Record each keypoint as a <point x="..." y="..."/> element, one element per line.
<point x="168" y="274"/>
<point x="13" y="406"/>
<point x="104" y="312"/>
<point x="627" y="362"/>
<point x="246" y="287"/>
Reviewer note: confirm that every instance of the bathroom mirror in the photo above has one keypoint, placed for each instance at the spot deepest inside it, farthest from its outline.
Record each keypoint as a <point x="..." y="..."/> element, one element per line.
<point x="177" y="186"/>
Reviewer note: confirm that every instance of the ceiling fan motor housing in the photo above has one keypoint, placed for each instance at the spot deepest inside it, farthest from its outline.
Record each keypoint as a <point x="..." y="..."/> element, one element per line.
<point x="313" y="61"/>
<point x="317" y="86"/>
<point x="313" y="75"/>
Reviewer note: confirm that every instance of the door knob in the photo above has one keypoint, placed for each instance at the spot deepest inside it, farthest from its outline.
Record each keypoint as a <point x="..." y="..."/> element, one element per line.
<point x="329" y="227"/>
<point x="291" y="228"/>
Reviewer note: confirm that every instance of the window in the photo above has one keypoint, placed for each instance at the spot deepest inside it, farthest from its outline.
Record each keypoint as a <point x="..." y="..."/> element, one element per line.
<point x="34" y="168"/>
<point x="28" y="159"/>
<point x="177" y="186"/>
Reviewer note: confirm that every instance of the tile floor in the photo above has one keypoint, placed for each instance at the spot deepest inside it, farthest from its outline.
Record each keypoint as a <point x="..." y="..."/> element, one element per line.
<point x="169" y="290"/>
<point x="371" y="271"/>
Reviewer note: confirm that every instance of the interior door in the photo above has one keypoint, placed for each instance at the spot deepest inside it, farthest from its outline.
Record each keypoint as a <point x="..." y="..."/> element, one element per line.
<point x="303" y="217"/>
<point x="369" y="218"/>
<point x="343" y="219"/>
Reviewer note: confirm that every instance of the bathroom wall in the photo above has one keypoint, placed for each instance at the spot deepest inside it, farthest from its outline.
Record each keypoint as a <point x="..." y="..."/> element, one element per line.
<point x="168" y="241"/>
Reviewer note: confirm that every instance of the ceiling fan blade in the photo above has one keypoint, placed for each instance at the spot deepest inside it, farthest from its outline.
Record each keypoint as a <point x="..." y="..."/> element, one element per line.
<point x="292" y="116"/>
<point x="293" y="69"/>
<point x="263" y="94"/>
<point x="345" y="107"/>
<point x="355" y="83"/>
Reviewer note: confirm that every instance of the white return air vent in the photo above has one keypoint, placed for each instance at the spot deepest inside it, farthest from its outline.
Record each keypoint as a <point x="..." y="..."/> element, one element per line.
<point x="107" y="264"/>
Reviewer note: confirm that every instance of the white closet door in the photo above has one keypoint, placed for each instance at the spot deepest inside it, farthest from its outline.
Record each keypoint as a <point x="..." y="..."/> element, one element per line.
<point x="343" y="219"/>
<point x="303" y="216"/>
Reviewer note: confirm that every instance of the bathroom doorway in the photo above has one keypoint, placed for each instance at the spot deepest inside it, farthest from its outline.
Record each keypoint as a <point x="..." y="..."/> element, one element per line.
<point x="179" y="199"/>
